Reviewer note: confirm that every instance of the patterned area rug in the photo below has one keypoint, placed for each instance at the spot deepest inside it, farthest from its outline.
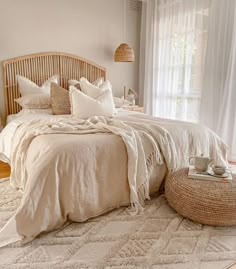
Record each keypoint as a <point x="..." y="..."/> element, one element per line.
<point x="158" y="239"/>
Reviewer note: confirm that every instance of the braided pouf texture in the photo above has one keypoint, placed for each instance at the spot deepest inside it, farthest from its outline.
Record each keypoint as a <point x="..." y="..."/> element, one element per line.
<point x="206" y="202"/>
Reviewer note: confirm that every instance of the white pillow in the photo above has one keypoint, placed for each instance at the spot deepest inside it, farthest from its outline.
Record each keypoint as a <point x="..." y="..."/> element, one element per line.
<point x="94" y="91"/>
<point x="106" y="85"/>
<point x="85" y="106"/>
<point x="98" y="82"/>
<point x="34" y="101"/>
<point x="74" y="82"/>
<point x="90" y="89"/>
<point x="27" y="86"/>
<point x="119" y="102"/>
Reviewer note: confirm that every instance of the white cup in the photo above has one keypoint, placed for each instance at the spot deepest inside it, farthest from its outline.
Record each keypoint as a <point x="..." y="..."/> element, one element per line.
<point x="220" y="169"/>
<point x="200" y="163"/>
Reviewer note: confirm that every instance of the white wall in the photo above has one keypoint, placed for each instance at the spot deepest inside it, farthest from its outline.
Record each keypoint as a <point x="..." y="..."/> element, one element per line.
<point x="88" y="28"/>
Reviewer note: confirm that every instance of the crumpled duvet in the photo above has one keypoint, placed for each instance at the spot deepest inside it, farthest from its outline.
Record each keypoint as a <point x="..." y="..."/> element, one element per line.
<point x="79" y="176"/>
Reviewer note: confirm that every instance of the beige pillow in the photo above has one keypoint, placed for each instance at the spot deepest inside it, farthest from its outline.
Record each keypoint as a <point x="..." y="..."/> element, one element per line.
<point x="34" y="101"/>
<point x="60" y="100"/>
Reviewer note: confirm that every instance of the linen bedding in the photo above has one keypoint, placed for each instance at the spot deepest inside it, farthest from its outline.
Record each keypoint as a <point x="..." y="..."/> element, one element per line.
<point x="81" y="173"/>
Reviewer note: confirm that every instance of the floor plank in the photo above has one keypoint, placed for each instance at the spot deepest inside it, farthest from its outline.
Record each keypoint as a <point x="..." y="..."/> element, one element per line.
<point x="5" y="170"/>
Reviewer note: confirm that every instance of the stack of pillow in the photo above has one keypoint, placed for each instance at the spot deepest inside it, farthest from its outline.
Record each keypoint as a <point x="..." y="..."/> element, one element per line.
<point x="33" y="98"/>
<point x="84" y="99"/>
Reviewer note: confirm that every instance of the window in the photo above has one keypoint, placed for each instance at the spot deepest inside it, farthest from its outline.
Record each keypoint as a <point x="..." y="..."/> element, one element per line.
<point x="181" y="48"/>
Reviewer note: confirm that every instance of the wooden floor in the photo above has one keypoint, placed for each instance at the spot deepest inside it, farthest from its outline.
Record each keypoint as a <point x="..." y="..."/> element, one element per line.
<point x="4" y="170"/>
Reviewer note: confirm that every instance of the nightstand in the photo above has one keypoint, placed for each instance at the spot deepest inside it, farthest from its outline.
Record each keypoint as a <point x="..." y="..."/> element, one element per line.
<point x="5" y="170"/>
<point x="134" y="108"/>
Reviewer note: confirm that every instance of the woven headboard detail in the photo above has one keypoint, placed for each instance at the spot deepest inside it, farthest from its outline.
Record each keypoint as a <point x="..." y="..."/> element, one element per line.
<point x="39" y="67"/>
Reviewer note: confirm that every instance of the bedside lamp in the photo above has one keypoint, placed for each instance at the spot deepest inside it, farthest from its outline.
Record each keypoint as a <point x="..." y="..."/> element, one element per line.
<point x="124" y="53"/>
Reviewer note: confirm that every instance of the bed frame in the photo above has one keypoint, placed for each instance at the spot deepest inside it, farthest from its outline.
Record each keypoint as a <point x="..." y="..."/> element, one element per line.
<point x="39" y="67"/>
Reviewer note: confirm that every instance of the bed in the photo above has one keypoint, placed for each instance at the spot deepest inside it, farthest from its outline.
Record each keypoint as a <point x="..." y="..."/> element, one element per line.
<point x="76" y="169"/>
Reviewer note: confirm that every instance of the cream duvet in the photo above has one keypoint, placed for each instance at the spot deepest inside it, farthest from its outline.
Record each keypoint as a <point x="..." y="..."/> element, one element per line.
<point x="72" y="169"/>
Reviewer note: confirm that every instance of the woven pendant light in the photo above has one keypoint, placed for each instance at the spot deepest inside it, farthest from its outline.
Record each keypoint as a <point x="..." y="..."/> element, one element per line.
<point x="124" y="53"/>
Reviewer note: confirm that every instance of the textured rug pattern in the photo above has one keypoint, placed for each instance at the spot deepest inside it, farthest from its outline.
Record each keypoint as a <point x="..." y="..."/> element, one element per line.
<point x="158" y="239"/>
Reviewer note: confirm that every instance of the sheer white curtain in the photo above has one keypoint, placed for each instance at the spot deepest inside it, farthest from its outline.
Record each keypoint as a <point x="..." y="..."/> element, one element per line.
<point x="218" y="104"/>
<point x="175" y="37"/>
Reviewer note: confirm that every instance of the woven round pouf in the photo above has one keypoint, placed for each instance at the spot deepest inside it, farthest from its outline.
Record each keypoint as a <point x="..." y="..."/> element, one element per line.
<point x="206" y="202"/>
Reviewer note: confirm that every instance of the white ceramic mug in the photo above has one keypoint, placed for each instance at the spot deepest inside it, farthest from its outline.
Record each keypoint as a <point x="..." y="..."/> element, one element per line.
<point x="200" y="163"/>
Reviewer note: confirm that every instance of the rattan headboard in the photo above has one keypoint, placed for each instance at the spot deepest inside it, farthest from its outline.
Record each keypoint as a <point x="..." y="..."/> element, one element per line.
<point x="39" y="67"/>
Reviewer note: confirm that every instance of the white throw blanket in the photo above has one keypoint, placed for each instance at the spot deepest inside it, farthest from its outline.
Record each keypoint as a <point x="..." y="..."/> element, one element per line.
<point x="145" y="144"/>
